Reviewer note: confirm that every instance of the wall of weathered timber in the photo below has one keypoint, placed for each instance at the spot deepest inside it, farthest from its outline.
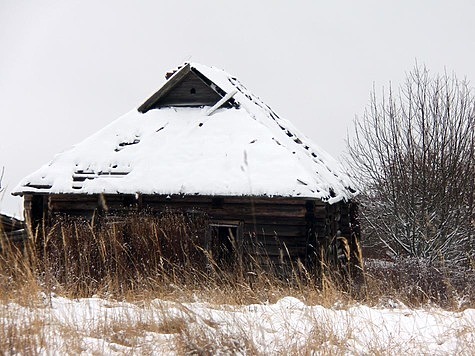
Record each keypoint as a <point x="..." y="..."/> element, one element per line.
<point x="278" y="228"/>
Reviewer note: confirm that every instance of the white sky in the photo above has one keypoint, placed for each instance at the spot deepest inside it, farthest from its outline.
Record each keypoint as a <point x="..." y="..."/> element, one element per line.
<point x="68" y="68"/>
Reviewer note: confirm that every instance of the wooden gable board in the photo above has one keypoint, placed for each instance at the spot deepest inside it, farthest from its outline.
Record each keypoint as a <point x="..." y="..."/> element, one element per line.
<point x="176" y="78"/>
<point x="187" y="87"/>
<point x="190" y="91"/>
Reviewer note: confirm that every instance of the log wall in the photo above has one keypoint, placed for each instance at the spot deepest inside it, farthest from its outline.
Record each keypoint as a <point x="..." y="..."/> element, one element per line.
<point x="279" y="228"/>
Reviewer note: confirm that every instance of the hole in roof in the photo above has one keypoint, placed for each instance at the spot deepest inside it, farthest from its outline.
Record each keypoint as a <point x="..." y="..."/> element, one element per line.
<point x="124" y="144"/>
<point x="201" y="124"/>
<point x="192" y="91"/>
<point x="127" y="143"/>
<point x="38" y="186"/>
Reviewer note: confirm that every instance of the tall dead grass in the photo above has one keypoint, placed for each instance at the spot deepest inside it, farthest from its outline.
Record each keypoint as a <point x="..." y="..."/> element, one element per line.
<point x="142" y="256"/>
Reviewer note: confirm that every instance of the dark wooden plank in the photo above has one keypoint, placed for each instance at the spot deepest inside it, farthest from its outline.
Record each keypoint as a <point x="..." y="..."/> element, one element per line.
<point x="235" y="210"/>
<point x="259" y="220"/>
<point x="190" y="91"/>
<point x="256" y="200"/>
<point x="64" y="205"/>
<point x="150" y="102"/>
<point x="276" y="251"/>
<point x="276" y="230"/>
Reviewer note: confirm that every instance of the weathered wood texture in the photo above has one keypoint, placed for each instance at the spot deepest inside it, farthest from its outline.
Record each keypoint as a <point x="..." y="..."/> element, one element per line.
<point x="187" y="87"/>
<point x="279" y="228"/>
<point x="191" y="91"/>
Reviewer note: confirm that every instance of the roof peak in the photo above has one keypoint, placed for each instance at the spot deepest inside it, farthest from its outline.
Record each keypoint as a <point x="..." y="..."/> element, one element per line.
<point x="188" y="86"/>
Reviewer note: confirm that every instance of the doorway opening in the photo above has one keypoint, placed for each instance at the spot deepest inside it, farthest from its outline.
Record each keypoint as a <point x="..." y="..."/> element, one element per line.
<point x="223" y="242"/>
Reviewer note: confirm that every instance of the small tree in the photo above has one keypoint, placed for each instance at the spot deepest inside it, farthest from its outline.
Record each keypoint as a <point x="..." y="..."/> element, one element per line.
<point x="413" y="152"/>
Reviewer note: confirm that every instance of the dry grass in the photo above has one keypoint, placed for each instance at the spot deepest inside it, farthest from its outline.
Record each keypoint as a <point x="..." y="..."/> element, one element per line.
<point x="26" y="337"/>
<point x="161" y="257"/>
<point x="142" y="257"/>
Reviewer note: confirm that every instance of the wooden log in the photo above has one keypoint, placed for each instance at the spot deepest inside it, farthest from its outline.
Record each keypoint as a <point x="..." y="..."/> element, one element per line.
<point x="273" y="230"/>
<point x="256" y="200"/>
<point x="58" y="206"/>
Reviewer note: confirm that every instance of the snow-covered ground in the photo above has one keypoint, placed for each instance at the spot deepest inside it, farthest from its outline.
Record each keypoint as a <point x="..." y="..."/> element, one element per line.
<point x="98" y="326"/>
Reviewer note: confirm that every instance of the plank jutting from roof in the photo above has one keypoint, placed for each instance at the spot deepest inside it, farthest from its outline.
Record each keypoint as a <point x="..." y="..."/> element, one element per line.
<point x="239" y="149"/>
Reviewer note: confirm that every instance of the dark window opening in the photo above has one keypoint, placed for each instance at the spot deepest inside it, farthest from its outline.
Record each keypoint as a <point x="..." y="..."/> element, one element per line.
<point x="192" y="91"/>
<point x="38" y="204"/>
<point x="222" y="243"/>
<point x="129" y="200"/>
<point x="217" y="203"/>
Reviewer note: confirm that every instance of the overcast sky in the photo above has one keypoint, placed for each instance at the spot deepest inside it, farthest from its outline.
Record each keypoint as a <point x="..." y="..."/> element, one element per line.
<point x="68" y="68"/>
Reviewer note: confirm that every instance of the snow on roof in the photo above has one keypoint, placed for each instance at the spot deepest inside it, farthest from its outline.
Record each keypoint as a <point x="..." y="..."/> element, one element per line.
<point x="244" y="149"/>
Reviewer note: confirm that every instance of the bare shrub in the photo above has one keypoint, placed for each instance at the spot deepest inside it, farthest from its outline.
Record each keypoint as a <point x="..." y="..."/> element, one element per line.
<point x="413" y="152"/>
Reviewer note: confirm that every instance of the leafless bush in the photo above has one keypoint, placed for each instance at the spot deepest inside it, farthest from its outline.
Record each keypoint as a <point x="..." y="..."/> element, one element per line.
<point x="413" y="152"/>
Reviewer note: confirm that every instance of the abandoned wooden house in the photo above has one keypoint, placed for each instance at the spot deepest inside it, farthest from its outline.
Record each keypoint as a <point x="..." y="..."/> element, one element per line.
<point x="203" y="142"/>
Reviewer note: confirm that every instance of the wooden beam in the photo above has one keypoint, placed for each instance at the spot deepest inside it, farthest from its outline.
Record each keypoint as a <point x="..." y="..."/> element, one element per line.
<point x="220" y="103"/>
<point x="174" y="79"/>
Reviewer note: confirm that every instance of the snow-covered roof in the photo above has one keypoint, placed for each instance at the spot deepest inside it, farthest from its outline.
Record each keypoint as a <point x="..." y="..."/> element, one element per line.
<point x="237" y="146"/>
